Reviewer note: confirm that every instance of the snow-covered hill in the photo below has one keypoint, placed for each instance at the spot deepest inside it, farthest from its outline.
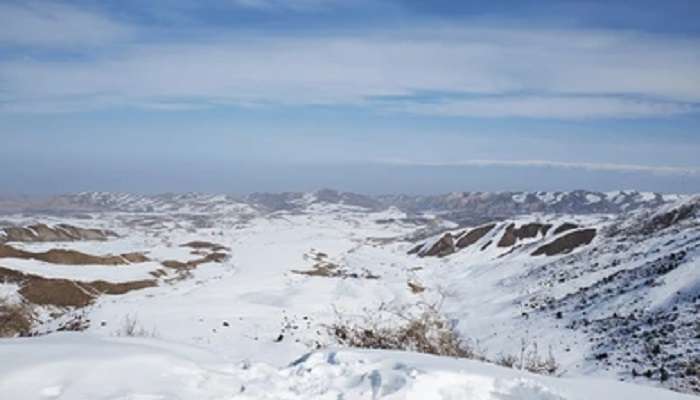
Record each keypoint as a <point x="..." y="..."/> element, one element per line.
<point x="89" y="367"/>
<point x="607" y="284"/>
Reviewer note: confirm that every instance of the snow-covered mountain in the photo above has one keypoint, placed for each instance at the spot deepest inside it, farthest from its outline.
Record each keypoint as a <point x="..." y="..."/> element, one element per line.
<point x="231" y="297"/>
<point x="461" y="205"/>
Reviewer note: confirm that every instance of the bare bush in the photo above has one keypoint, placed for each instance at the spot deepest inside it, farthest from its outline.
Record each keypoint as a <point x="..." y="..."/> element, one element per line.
<point x="426" y="330"/>
<point x="531" y="359"/>
<point x="132" y="328"/>
<point x="507" y="360"/>
<point x="15" y="319"/>
<point x="423" y="331"/>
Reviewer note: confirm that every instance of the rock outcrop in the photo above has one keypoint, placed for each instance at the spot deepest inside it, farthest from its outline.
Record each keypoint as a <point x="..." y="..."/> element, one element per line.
<point x="567" y="243"/>
<point x="527" y="231"/>
<point x="473" y="236"/>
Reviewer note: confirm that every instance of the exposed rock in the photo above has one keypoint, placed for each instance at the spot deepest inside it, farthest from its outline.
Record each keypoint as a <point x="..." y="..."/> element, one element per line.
<point x="647" y="222"/>
<point x="527" y="231"/>
<point x="473" y="236"/>
<point x="566" y="226"/>
<point x="672" y="217"/>
<point x="567" y="243"/>
<point x="440" y="248"/>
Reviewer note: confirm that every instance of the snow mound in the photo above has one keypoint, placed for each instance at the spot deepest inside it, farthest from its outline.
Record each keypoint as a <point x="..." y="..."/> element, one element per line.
<point x="79" y="366"/>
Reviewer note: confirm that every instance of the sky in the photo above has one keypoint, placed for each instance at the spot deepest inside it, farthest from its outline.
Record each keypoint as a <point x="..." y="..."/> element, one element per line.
<point x="383" y="96"/>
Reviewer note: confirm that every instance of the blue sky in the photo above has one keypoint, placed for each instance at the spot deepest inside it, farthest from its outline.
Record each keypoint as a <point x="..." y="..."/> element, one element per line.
<point x="372" y="96"/>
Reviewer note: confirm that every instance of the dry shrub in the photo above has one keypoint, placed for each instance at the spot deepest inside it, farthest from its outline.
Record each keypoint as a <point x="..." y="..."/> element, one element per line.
<point x="531" y="359"/>
<point x="132" y="328"/>
<point x="423" y="331"/>
<point x="15" y="319"/>
<point x="507" y="360"/>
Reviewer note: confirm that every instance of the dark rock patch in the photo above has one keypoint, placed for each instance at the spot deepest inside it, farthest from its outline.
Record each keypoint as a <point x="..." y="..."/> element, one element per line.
<point x="566" y="226"/>
<point x="473" y="236"/>
<point x="440" y="248"/>
<point x="527" y="231"/>
<point x="567" y="243"/>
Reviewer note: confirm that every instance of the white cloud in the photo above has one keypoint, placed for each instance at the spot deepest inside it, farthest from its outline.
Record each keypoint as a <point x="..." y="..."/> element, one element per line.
<point x="567" y="74"/>
<point x="606" y="167"/>
<point x="560" y="107"/>
<point x="50" y="24"/>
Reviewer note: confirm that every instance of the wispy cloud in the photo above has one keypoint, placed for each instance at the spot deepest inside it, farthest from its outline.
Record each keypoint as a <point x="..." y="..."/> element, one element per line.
<point x="556" y="106"/>
<point x="474" y="72"/>
<point x="589" y="166"/>
<point x="52" y="24"/>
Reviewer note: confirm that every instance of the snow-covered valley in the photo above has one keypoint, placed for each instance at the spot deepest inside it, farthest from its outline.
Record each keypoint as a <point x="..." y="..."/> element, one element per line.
<point x="204" y="296"/>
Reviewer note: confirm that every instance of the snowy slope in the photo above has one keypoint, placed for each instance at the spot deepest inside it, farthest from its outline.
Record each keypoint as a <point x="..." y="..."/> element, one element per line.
<point x="86" y="367"/>
<point x="267" y="305"/>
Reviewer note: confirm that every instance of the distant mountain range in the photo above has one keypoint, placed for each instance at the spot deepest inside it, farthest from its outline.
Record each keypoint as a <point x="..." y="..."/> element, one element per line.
<point x="464" y="208"/>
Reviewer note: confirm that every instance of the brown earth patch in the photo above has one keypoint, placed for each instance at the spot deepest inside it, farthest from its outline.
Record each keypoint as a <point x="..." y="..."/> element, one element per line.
<point x="135" y="257"/>
<point x="474" y="236"/>
<point x="57" y="233"/>
<point x="112" y="288"/>
<point x="527" y="231"/>
<point x="71" y="257"/>
<point x="56" y="292"/>
<point x="192" y="264"/>
<point x="329" y="270"/>
<point x="199" y="244"/>
<point x="567" y="243"/>
<point x="173" y="264"/>
<point x="65" y="292"/>
<point x="566" y="226"/>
